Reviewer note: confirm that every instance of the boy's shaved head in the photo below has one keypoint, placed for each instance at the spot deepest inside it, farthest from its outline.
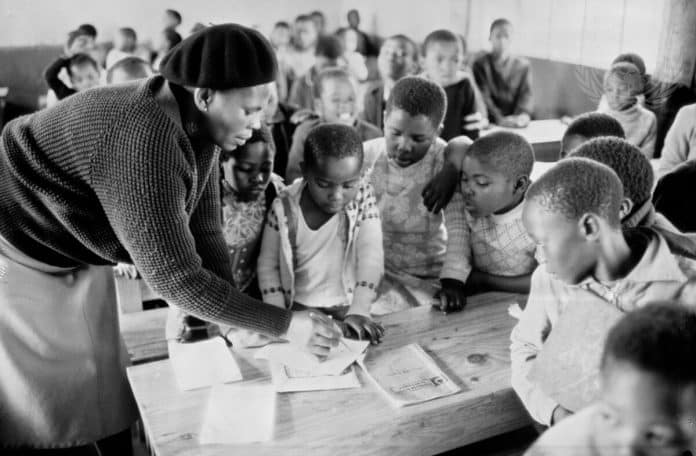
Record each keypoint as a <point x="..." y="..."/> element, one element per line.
<point x="332" y="140"/>
<point x="595" y="124"/>
<point x="500" y="22"/>
<point x="507" y="152"/>
<point x="416" y="95"/>
<point x="627" y="161"/>
<point x="441" y="36"/>
<point x="577" y="186"/>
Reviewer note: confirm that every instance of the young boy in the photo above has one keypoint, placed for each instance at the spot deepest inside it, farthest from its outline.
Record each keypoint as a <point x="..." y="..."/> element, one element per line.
<point x="622" y="83"/>
<point x="300" y="57"/>
<point x="573" y="214"/>
<point x="587" y="126"/>
<point x="322" y="245"/>
<point x="505" y="80"/>
<point x="125" y="43"/>
<point x="329" y="53"/>
<point x="128" y="69"/>
<point x="398" y="57"/>
<point x="647" y="404"/>
<point x="442" y="54"/>
<point x="82" y="69"/>
<point x="168" y="39"/>
<point x="335" y="100"/>
<point x="400" y="166"/>
<point x="487" y="245"/>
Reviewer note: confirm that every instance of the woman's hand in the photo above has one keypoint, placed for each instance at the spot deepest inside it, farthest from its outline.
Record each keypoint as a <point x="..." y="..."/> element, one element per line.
<point x="314" y="332"/>
<point x="361" y="327"/>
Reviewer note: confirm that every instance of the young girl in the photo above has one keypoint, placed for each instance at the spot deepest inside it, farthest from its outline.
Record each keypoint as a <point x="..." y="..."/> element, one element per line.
<point x="399" y="166"/>
<point x="248" y="188"/>
<point x="322" y="245"/>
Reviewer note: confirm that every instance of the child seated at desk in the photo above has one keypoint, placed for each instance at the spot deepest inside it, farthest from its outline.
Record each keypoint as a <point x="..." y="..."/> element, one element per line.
<point x="622" y="85"/>
<point x="400" y="165"/>
<point x="573" y="214"/>
<point x="322" y="244"/>
<point x="488" y="247"/>
<point x="648" y="391"/>
<point x="587" y="126"/>
<point x="442" y="54"/>
<point x="248" y="187"/>
<point x="505" y="80"/>
<point x="82" y="69"/>
<point x="335" y="100"/>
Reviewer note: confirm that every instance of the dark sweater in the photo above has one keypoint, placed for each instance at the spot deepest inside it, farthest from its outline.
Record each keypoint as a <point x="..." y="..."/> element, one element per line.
<point x="673" y="196"/>
<point x="54" y="83"/>
<point x="461" y="102"/>
<point x="506" y="86"/>
<point x="108" y="176"/>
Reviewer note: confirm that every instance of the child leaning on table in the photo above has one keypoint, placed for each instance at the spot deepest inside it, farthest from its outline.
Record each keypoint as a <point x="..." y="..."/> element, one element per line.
<point x="488" y="247"/>
<point x="322" y="243"/>
<point x="648" y="391"/>
<point x="573" y="214"/>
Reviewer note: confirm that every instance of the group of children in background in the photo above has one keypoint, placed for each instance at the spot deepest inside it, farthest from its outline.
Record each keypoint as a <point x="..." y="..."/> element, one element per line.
<point x="393" y="198"/>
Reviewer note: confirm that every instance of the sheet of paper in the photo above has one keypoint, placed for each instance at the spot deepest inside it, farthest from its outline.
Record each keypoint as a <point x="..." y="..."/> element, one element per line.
<point x="345" y="354"/>
<point x="239" y="413"/>
<point x="287" y="379"/>
<point x="201" y="364"/>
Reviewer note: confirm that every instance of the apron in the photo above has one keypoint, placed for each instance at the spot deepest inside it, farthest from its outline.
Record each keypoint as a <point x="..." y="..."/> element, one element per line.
<point x="62" y="359"/>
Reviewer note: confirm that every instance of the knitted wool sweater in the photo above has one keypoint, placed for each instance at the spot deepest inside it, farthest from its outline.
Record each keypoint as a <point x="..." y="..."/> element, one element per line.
<point x="107" y="176"/>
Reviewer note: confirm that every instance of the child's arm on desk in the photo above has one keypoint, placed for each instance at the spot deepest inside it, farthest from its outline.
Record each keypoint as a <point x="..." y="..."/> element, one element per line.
<point x="457" y="265"/>
<point x="268" y="263"/>
<point x="369" y="268"/>
<point x="438" y="193"/>
<point x="480" y="282"/>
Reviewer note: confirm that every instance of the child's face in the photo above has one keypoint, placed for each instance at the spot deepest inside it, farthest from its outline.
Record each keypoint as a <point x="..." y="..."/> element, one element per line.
<point x="395" y="59"/>
<point x="83" y="44"/>
<point x="337" y="102"/>
<point x="641" y="414"/>
<point x="620" y="94"/>
<point x="306" y="34"/>
<point x="169" y="21"/>
<point x="570" y="143"/>
<point x="408" y="137"/>
<point x="565" y="252"/>
<point x="333" y="183"/>
<point x="280" y="37"/>
<point x="500" y="40"/>
<point x="122" y="42"/>
<point x="486" y="190"/>
<point x="84" y="76"/>
<point x="250" y="172"/>
<point x="442" y="61"/>
<point x="232" y="114"/>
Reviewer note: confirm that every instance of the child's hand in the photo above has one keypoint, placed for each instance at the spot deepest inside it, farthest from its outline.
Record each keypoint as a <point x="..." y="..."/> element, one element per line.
<point x="452" y="295"/>
<point x="301" y="115"/>
<point x="438" y="192"/>
<point x="313" y="331"/>
<point x="361" y="327"/>
<point x="474" y="122"/>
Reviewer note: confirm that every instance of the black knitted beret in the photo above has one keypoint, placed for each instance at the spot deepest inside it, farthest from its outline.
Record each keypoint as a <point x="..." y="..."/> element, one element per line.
<point x="221" y="57"/>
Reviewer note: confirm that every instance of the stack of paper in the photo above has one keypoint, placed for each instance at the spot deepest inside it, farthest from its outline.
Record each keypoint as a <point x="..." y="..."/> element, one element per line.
<point x="201" y="364"/>
<point x="295" y="370"/>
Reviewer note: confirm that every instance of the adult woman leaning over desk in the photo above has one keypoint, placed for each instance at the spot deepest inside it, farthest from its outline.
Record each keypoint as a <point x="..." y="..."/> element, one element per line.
<point x="123" y="173"/>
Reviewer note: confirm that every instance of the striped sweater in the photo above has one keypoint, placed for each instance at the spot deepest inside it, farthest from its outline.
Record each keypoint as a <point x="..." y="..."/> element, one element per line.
<point x="107" y="176"/>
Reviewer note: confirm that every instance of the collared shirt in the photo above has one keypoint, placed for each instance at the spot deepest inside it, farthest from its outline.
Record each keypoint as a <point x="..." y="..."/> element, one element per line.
<point x="656" y="276"/>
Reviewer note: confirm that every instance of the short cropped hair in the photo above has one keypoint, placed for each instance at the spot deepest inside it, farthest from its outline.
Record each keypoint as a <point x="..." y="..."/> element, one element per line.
<point x="129" y="33"/>
<point x="627" y="161"/>
<point x="659" y="338"/>
<point x="175" y="14"/>
<point x="333" y="73"/>
<point x="441" y="36"/>
<point x="304" y="18"/>
<point x="281" y="24"/>
<point x="331" y="140"/>
<point x="627" y="73"/>
<point x="172" y="36"/>
<point x="417" y="95"/>
<point x="75" y="34"/>
<point x="507" y="152"/>
<point x="89" y="30"/>
<point x="79" y="60"/>
<point x="329" y="46"/>
<point x="594" y="124"/>
<point x="407" y="42"/>
<point x="134" y="67"/>
<point x="577" y="186"/>
<point x="262" y="134"/>
<point x="500" y="22"/>
<point x="633" y="58"/>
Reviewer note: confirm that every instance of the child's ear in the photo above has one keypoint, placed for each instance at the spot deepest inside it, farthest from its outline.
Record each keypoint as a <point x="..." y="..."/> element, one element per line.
<point x="625" y="208"/>
<point x="589" y="226"/>
<point x="521" y="185"/>
<point x="202" y="98"/>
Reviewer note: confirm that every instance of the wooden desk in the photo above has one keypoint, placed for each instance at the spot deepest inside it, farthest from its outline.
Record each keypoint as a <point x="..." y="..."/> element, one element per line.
<point x="143" y="333"/>
<point x="472" y="347"/>
<point x="544" y="135"/>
